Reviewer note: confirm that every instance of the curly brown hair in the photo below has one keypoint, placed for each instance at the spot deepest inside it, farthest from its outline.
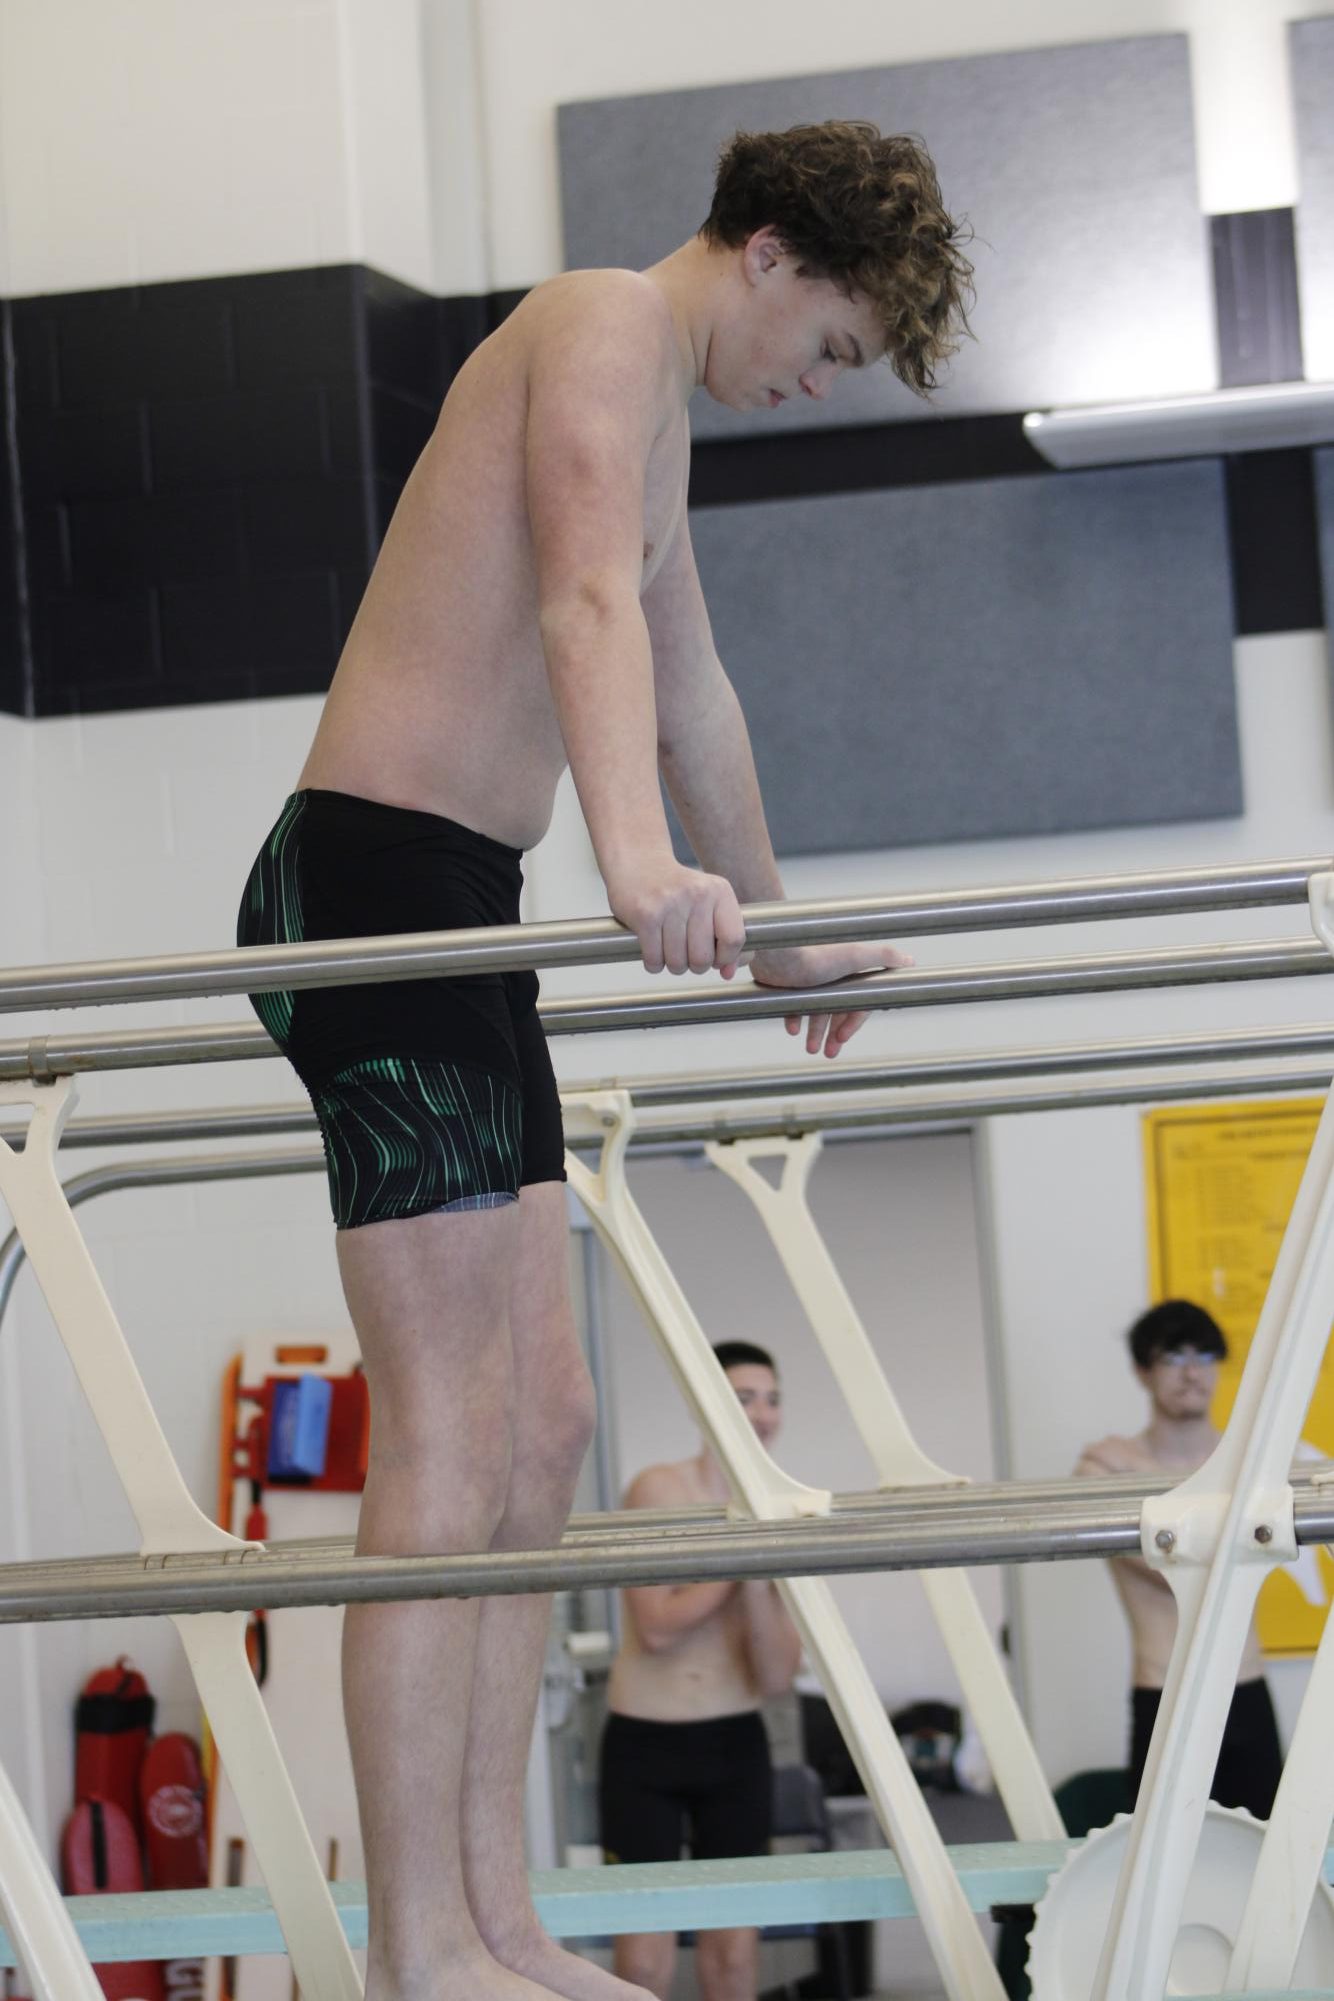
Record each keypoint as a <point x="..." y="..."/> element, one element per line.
<point x="863" y="209"/>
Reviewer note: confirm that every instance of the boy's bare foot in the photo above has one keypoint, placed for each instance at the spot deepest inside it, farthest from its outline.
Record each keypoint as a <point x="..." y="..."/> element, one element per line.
<point x="470" y="1976"/>
<point x="541" y="1960"/>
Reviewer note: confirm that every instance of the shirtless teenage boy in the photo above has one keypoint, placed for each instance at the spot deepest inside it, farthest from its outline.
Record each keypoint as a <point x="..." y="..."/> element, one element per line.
<point x="685" y="1758"/>
<point x="1176" y="1349"/>
<point x="536" y="604"/>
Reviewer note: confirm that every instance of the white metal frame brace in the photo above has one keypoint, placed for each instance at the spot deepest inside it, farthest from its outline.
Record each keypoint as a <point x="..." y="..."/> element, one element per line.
<point x="45" y="1941"/>
<point x="1215" y="1538"/>
<point x="761" y="1491"/>
<point x="169" y="1521"/>
<point x="899" y="1461"/>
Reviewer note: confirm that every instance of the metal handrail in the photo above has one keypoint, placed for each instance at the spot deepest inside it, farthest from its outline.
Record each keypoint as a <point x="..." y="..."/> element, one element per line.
<point x="45" y="1056"/>
<point x="921" y="1112"/>
<point x="1301" y="1039"/>
<point x="794" y="1081"/>
<point x="892" y="1532"/>
<point x="602" y="941"/>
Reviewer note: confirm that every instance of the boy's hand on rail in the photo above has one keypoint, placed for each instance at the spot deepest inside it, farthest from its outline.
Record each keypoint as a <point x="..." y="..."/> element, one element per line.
<point x="819" y="966"/>
<point x="685" y="921"/>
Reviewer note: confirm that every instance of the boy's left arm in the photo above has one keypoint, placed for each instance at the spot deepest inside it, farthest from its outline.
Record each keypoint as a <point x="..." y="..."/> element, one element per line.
<point x="705" y="758"/>
<point x="772" y="1641"/>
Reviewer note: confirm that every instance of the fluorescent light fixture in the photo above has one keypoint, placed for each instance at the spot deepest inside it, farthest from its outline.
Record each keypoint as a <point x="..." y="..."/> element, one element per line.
<point x="1265" y="418"/>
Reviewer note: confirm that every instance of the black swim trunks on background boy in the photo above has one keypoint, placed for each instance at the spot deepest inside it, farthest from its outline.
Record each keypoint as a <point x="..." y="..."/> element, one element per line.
<point x="431" y="1094"/>
<point x="1250" y="1760"/>
<point x="706" y="1786"/>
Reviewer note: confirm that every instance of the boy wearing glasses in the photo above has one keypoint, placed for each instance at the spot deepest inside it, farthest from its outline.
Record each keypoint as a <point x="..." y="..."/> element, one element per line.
<point x="1176" y="1349"/>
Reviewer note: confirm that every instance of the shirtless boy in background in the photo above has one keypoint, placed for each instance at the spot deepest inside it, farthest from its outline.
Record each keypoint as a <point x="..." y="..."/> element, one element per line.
<point x="685" y="1757"/>
<point x="536" y="604"/>
<point x="1176" y="1349"/>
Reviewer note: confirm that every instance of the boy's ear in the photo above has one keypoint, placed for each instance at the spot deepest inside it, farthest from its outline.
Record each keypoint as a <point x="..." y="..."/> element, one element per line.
<point x="762" y="253"/>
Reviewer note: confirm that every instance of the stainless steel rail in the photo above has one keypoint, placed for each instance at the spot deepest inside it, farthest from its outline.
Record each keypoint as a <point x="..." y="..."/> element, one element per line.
<point x="46" y="1056"/>
<point x="652" y="1136"/>
<point x="1314" y="1039"/>
<point x="178" y="1128"/>
<point x="599" y="941"/>
<point x="939" y="1112"/>
<point x="918" y="1531"/>
<point x="1311" y="1039"/>
<point x="1103" y="972"/>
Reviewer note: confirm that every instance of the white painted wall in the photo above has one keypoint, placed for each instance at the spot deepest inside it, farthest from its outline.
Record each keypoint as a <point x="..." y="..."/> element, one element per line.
<point x="147" y="140"/>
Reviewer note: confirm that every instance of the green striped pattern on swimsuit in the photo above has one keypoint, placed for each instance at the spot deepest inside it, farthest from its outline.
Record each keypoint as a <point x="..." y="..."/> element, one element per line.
<point x="272" y="912"/>
<point x="405" y="1136"/>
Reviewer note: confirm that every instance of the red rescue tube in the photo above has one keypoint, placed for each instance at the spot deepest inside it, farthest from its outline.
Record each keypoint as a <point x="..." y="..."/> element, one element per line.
<point x="172" y="1793"/>
<point x="99" y="1852"/>
<point x="112" y="1721"/>
<point x="171" y="1790"/>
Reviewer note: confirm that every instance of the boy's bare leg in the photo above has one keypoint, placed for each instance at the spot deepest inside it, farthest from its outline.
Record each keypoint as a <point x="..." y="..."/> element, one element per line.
<point x="429" y="1300"/>
<point x="648" y="1959"/>
<point x="554" y="1415"/>
<point x="727" y="1964"/>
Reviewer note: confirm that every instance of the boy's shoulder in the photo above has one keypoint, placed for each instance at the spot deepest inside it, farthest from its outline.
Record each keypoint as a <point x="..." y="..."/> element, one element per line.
<point x="608" y="296"/>
<point x="1116" y="1455"/>
<point x="668" y="1484"/>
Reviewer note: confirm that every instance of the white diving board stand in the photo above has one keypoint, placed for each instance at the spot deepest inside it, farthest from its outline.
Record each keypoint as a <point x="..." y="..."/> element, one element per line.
<point x="762" y="1492"/>
<point x="169" y="1521"/>
<point x="899" y="1461"/>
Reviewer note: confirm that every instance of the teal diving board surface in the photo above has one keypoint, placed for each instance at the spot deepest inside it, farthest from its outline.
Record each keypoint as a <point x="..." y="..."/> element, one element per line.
<point x="593" y="1903"/>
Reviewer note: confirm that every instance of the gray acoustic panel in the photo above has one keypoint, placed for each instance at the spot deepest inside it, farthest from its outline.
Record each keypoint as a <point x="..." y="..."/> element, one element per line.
<point x="1075" y="166"/>
<point x="1324" y="493"/>
<point x="1022" y="656"/>
<point x="1311" y="50"/>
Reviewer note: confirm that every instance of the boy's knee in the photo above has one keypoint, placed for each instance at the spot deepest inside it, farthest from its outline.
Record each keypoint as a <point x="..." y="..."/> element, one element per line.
<point x="580" y="1418"/>
<point x="646" y="1959"/>
<point x="441" y="1496"/>
<point x="558" y="1448"/>
<point x="554" y="1438"/>
<point x="726" y="1963"/>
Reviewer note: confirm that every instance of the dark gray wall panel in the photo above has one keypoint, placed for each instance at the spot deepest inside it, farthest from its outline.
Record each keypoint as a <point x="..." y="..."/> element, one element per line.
<point x="1002" y="657"/>
<point x="1312" y="54"/>
<point x="1075" y="165"/>
<point x="1324" y="493"/>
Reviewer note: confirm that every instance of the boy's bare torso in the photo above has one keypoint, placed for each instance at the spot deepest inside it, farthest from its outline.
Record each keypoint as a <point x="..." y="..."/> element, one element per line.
<point x="441" y="700"/>
<point x="1147" y="1597"/>
<point x="707" y="1672"/>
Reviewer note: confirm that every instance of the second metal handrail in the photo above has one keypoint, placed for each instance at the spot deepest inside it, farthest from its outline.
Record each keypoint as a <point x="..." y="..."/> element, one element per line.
<point x="602" y="941"/>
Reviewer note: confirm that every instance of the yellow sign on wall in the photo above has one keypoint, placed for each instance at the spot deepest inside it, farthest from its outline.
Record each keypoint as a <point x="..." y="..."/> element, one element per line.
<point x="1220" y="1181"/>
